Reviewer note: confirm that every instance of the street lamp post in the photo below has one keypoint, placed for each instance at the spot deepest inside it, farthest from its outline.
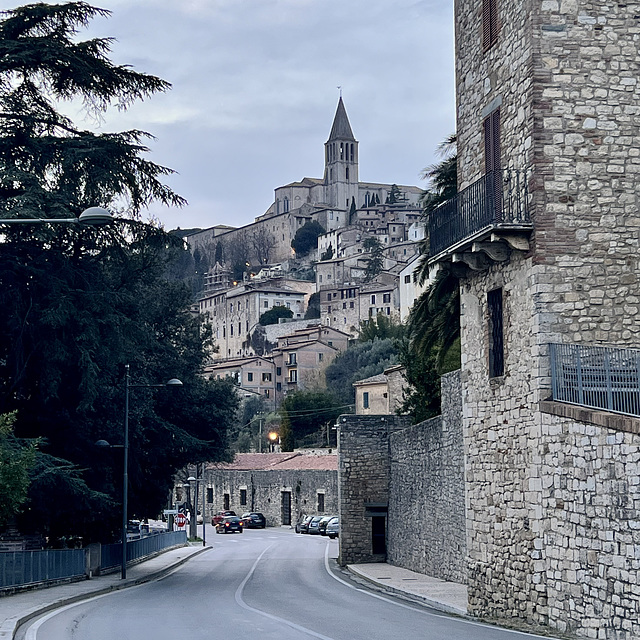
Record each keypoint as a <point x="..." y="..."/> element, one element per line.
<point x="93" y="217"/>
<point x="174" y="382"/>
<point x="193" y="529"/>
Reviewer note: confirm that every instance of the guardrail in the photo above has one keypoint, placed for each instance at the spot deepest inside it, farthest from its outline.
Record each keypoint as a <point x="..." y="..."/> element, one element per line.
<point x="19" y="568"/>
<point x="597" y="377"/>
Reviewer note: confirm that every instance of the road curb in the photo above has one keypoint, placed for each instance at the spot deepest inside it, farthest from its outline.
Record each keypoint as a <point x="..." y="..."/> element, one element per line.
<point x="413" y="597"/>
<point x="11" y="625"/>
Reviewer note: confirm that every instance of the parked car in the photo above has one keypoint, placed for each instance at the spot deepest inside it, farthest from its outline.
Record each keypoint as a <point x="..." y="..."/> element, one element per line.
<point x="254" y="520"/>
<point x="220" y="516"/>
<point x="333" y="528"/>
<point x="229" y="525"/>
<point x="313" y="525"/>
<point x="322" y="525"/>
<point x="302" y="525"/>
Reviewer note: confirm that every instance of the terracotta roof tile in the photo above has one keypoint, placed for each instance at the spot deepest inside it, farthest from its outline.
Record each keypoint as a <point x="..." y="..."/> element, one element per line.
<point x="276" y="461"/>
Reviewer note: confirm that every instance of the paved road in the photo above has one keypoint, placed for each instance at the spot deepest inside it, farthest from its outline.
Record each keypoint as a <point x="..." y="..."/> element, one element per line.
<point x="271" y="584"/>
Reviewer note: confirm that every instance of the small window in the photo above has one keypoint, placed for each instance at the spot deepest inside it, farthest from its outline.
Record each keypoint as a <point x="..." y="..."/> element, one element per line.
<point x="266" y="377"/>
<point x="373" y="299"/>
<point x="209" y="495"/>
<point x="320" y="357"/>
<point x="496" y="337"/>
<point x="278" y="371"/>
<point x="386" y="297"/>
<point x="226" y="501"/>
<point x="407" y="279"/>
<point x="365" y="400"/>
<point x="243" y="497"/>
<point x="250" y="377"/>
<point x="278" y="386"/>
<point x="489" y="23"/>
<point x="320" y="502"/>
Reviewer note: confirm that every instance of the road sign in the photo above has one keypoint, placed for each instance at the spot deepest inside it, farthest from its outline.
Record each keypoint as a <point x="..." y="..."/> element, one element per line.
<point x="181" y="519"/>
<point x="170" y="512"/>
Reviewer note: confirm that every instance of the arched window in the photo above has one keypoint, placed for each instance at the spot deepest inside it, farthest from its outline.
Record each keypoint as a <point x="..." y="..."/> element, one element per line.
<point x="285" y="207"/>
<point x="351" y="154"/>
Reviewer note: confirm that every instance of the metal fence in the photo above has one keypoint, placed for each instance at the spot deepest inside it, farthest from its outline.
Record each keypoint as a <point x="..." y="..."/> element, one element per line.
<point x="19" y="568"/>
<point x="598" y="377"/>
<point x="26" y="567"/>
<point x="136" y="549"/>
<point x="499" y="198"/>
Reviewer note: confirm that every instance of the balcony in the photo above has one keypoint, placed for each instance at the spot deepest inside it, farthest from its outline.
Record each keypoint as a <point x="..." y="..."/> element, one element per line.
<point x="483" y="223"/>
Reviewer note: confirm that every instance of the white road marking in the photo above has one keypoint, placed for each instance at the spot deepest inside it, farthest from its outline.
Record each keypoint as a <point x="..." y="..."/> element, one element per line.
<point x="244" y="605"/>
<point x="426" y="613"/>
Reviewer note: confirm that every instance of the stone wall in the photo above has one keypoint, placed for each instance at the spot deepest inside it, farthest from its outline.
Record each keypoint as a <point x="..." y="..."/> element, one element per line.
<point x="363" y="472"/>
<point x="426" y="525"/>
<point x="264" y="490"/>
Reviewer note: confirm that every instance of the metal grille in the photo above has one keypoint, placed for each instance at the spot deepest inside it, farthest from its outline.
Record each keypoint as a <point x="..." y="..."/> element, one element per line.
<point x="476" y="208"/>
<point x="598" y="377"/>
<point x="111" y="554"/>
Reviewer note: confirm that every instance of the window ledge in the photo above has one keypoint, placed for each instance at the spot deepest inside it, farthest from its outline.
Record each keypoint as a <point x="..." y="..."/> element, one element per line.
<point x="606" y="419"/>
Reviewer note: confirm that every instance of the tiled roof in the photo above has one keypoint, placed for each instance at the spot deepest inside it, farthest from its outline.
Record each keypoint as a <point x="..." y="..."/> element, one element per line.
<point x="277" y="461"/>
<point x="372" y="380"/>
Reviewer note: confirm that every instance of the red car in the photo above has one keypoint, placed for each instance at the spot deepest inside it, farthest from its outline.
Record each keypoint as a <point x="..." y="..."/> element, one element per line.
<point x="220" y="516"/>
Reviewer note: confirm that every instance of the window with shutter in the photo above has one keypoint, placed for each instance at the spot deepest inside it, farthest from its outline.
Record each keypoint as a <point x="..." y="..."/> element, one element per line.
<point x="492" y="162"/>
<point x="489" y="23"/>
<point x="496" y="336"/>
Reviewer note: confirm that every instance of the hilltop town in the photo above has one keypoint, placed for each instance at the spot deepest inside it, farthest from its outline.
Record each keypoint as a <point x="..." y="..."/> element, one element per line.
<point x="358" y="263"/>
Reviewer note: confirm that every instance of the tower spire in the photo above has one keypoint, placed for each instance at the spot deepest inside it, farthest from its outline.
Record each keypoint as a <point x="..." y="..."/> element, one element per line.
<point x="341" y="129"/>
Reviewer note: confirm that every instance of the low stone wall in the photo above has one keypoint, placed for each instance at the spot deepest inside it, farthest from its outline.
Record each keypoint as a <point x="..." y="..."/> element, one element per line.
<point x="426" y="522"/>
<point x="264" y="492"/>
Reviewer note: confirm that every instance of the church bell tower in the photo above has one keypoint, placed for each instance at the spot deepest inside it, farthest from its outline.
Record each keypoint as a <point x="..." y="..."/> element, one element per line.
<point x="341" y="162"/>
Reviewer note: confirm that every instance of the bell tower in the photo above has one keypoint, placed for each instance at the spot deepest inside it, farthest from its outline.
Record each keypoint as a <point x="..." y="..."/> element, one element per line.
<point x="341" y="162"/>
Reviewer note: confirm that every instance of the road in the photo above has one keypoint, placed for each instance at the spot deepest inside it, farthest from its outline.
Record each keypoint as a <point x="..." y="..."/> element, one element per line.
<point x="271" y="584"/>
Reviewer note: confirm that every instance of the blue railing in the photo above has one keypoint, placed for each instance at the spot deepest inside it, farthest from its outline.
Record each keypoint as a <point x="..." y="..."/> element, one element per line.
<point x="136" y="549"/>
<point x="598" y="377"/>
<point x="19" y="568"/>
<point x="27" y="567"/>
<point x="499" y="198"/>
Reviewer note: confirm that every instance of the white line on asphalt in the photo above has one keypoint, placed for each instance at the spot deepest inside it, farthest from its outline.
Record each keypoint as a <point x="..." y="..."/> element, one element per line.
<point x="426" y="613"/>
<point x="244" y="605"/>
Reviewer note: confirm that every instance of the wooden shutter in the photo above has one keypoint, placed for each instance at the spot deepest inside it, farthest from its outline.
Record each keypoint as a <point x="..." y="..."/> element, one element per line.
<point x="489" y="23"/>
<point x="493" y="164"/>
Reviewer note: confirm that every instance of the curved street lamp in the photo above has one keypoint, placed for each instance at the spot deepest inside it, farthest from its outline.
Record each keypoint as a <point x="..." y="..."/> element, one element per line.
<point x="174" y="382"/>
<point x="92" y="217"/>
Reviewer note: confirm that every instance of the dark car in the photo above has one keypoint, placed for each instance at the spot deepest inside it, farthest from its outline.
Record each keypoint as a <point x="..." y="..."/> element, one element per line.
<point x="254" y="520"/>
<point x="333" y="528"/>
<point x="229" y="525"/>
<point x="322" y="525"/>
<point x="302" y="525"/>
<point x="220" y="516"/>
<point x="313" y="525"/>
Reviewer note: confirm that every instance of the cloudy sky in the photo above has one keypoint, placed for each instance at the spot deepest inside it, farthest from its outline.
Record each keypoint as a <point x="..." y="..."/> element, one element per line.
<point x="255" y="91"/>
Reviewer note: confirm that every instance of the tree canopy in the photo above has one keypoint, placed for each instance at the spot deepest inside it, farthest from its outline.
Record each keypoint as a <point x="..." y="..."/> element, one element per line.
<point x="306" y="412"/>
<point x="49" y="166"/>
<point x="306" y="238"/>
<point x="274" y="314"/>
<point x="81" y="303"/>
<point x="360" y="361"/>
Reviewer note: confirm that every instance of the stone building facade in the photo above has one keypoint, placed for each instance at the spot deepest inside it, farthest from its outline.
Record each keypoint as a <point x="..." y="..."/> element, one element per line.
<point x="426" y="530"/>
<point x="547" y="96"/>
<point x="282" y="486"/>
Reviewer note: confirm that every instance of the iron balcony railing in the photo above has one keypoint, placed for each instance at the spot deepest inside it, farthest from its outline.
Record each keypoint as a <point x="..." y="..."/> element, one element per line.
<point x="598" y="377"/>
<point x="499" y="198"/>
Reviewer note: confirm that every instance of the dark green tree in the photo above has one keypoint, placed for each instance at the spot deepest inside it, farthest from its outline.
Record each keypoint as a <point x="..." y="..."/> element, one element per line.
<point x="219" y="255"/>
<point x="17" y="459"/>
<point x="49" y="166"/>
<point x="304" y="413"/>
<point x="375" y="260"/>
<point x="395" y="195"/>
<point x="79" y="304"/>
<point x="313" y="308"/>
<point x="360" y="361"/>
<point x="274" y="314"/>
<point x="328" y="254"/>
<point x="306" y="238"/>
<point x="352" y="212"/>
<point x="381" y="327"/>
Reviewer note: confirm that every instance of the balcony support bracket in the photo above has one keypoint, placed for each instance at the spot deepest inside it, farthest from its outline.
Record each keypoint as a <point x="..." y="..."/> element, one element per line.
<point x="475" y="261"/>
<point x="517" y="242"/>
<point x="497" y="251"/>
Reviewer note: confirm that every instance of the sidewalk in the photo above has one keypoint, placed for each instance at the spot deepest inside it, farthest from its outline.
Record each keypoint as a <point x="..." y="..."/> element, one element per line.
<point x="21" y="607"/>
<point x="438" y="594"/>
